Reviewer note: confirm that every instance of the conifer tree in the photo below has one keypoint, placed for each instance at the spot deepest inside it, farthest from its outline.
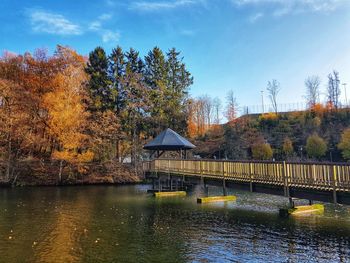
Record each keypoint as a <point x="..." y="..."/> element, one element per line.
<point x="117" y="71"/>
<point x="100" y="84"/>
<point x="178" y="82"/>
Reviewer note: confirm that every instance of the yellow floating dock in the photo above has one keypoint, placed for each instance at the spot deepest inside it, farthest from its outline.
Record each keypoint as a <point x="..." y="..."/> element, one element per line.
<point x="216" y="199"/>
<point x="168" y="194"/>
<point x="303" y="209"/>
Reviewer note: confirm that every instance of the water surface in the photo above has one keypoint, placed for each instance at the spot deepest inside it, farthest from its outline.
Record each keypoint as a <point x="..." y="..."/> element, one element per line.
<point x="125" y="224"/>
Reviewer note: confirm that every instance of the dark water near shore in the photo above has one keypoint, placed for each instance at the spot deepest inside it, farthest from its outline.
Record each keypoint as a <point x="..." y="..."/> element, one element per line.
<point x="124" y="224"/>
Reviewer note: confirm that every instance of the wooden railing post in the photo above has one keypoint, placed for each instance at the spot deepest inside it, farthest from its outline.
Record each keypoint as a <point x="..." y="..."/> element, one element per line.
<point x="285" y="179"/>
<point x="250" y="177"/>
<point x="333" y="176"/>
<point x="223" y="179"/>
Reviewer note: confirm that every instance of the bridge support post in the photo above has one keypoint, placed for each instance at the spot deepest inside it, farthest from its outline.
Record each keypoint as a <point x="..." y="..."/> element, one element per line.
<point x="153" y="184"/>
<point x="171" y="182"/>
<point x="159" y="184"/>
<point x="224" y="189"/>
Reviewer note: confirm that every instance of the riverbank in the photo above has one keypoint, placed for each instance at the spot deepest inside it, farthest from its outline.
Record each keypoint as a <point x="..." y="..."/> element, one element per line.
<point x="48" y="173"/>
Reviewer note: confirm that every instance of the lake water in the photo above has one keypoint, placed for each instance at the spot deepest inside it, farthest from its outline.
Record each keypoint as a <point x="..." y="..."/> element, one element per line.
<point x="125" y="224"/>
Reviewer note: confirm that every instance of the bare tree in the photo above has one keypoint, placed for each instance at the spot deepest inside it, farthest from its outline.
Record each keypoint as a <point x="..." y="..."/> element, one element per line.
<point x="312" y="84"/>
<point x="273" y="88"/>
<point x="333" y="88"/>
<point x="231" y="107"/>
<point x="217" y="108"/>
<point x="208" y="109"/>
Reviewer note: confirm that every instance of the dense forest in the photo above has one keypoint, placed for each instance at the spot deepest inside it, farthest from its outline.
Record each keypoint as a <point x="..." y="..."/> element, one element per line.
<point x="69" y="116"/>
<point x="71" y="111"/>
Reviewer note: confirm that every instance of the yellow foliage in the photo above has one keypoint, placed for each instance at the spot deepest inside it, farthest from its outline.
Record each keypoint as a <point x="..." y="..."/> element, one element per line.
<point x="67" y="115"/>
<point x="269" y="116"/>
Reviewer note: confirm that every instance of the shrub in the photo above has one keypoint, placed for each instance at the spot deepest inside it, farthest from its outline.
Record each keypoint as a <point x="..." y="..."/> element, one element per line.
<point x="344" y="144"/>
<point x="288" y="147"/>
<point x="262" y="151"/>
<point x="315" y="146"/>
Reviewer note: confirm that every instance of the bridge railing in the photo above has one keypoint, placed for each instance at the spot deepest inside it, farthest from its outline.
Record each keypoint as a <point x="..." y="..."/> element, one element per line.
<point x="331" y="176"/>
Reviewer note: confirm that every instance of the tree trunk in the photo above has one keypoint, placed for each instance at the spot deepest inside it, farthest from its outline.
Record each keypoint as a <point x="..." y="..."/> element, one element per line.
<point x="8" y="169"/>
<point x="60" y="172"/>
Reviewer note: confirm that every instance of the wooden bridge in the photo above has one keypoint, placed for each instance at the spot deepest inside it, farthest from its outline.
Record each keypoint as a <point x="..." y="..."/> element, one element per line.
<point x="326" y="182"/>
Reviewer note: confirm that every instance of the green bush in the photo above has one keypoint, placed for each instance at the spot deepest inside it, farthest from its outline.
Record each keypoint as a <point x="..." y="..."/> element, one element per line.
<point x="316" y="147"/>
<point x="262" y="151"/>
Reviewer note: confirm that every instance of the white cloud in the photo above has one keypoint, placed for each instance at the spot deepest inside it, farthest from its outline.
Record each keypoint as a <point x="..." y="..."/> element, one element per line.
<point x="110" y="36"/>
<point x="105" y="17"/>
<point x="284" y="7"/>
<point x="161" y="5"/>
<point x="47" y="22"/>
<point x="255" y="17"/>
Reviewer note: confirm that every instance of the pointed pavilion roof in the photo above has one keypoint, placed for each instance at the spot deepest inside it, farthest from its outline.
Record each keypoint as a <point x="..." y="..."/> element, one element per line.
<point x="170" y="141"/>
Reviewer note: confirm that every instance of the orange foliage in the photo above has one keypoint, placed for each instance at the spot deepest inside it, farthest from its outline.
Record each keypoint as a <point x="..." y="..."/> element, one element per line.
<point x="319" y="109"/>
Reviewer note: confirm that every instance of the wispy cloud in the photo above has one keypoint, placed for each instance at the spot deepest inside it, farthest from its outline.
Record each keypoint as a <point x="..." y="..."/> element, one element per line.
<point x="255" y="17"/>
<point x="105" y="17"/>
<point x="161" y="5"/>
<point x="52" y="23"/>
<point x="109" y="36"/>
<point x="284" y="7"/>
<point x="187" y="32"/>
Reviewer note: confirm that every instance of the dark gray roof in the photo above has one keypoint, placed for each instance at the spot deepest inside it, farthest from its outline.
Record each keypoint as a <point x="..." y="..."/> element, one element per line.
<point x="169" y="140"/>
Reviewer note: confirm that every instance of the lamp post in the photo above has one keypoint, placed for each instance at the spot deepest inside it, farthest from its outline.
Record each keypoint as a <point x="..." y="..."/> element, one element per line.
<point x="262" y="101"/>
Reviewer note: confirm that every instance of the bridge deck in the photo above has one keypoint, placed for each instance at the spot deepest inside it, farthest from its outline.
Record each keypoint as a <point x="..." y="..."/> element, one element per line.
<point x="330" y="178"/>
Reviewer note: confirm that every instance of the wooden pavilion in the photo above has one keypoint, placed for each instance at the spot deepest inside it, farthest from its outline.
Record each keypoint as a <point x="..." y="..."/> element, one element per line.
<point x="168" y="140"/>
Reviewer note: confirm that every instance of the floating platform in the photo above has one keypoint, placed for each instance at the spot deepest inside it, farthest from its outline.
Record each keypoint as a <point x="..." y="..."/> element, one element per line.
<point x="302" y="210"/>
<point x="212" y="199"/>
<point x="167" y="194"/>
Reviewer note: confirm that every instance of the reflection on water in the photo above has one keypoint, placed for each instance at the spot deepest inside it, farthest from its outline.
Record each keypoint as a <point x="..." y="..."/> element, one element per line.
<point x="124" y="224"/>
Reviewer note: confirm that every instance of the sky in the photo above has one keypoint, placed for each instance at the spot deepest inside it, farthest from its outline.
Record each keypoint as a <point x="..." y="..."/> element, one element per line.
<point x="227" y="45"/>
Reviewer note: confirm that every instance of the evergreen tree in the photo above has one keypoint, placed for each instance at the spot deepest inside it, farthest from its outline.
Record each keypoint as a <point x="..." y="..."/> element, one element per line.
<point x="133" y="62"/>
<point x="156" y="80"/>
<point x="117" y="71"/>
<point x="178" y="82"/>
<point x="100" y="85"/>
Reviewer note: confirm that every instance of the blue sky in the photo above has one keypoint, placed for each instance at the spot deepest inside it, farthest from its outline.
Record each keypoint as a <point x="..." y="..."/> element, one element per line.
<point x="227" y="44"/>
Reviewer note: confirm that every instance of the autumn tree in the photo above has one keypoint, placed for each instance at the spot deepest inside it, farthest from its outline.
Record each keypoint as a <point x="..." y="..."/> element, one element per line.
<point x="67" y="117"/>
<point x="231" y="106"/>
<point x="15" y="125"/>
